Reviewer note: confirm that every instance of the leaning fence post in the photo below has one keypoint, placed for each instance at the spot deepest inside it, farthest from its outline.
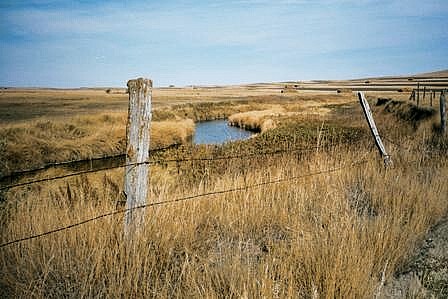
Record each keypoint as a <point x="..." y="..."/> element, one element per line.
<point x="137" y="152"/>
<point x="373" y="129"/>
<point x="442" y="111"/>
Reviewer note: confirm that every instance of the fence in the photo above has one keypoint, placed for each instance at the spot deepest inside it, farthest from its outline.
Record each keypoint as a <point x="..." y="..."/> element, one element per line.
<point x="136" y="161"/>
<point x="415" y="97"/>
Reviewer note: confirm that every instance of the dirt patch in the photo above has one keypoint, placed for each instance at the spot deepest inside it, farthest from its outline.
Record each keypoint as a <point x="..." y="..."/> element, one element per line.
<point x="425" y="275"/>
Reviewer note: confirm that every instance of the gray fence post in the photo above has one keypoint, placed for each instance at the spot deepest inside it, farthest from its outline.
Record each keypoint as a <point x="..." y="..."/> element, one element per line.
<point x="442" y="111"/>
<point x="136" y="178"/>
<point x="369" y="117"/>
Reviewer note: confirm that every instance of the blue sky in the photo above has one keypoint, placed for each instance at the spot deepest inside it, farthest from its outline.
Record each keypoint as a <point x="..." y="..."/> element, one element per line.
<point x="65" y="43"/>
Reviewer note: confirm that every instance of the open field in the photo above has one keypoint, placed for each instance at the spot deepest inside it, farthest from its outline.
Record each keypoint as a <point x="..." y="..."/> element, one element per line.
<point x="341" y="233"/>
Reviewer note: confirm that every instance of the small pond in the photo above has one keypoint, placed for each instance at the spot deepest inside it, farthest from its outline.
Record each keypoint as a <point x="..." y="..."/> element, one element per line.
<point x="217" y="132"/>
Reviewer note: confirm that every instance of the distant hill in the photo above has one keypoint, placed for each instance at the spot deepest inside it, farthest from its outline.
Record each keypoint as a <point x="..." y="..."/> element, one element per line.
<point x="442" y="73"/>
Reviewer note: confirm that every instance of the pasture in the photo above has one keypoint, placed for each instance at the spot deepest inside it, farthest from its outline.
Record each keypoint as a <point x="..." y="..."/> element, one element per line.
<point x="304" y="209"/>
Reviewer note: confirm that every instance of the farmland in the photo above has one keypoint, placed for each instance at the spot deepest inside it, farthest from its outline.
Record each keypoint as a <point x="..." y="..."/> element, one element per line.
<point x="344" y="227"/>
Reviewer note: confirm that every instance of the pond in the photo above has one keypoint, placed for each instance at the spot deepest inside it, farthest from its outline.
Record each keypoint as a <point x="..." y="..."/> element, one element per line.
<point x="218" y="132"/>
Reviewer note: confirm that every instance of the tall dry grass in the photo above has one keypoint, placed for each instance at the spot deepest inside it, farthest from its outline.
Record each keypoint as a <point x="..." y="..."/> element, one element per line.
<point x="258" y="120"/>
<point x="326" y="236"/>
<point x="34" y="144"/>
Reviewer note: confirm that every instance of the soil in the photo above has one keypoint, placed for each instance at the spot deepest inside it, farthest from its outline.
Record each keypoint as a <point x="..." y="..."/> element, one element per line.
<point x="425" y="275"/>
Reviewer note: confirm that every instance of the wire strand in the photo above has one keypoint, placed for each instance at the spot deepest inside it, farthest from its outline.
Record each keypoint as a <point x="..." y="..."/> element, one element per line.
<point x="242" y="188"/>
<point x="163" y="161"/>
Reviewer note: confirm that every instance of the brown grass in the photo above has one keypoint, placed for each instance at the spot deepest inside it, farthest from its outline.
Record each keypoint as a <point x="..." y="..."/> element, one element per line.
<point x="166" y="133"/>
<point x="330" y="236"/>
<point x="259" y="120"/>
<point x="35" y="137"/>
<point x="326" y="236"/>
<point x="34" y="144"/>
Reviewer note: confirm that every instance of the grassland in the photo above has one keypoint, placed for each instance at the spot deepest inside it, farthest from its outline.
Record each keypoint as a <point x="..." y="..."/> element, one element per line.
<point x="334" y="235"/>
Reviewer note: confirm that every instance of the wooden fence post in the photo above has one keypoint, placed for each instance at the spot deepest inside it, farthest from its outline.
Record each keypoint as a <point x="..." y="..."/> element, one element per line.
<point x="412" y="97"/>
<point x="418" y="93"/>
<point x="442" y="111"/>
<point x="430" y="97"/>
<point x="137" y="152"/>
<point x="424" y="92"/>
<point x="369" y="117"/>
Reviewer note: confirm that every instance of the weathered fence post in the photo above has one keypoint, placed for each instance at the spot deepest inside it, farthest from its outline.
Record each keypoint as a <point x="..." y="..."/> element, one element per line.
<point x="373" y="129"/>
<point x="424" y="93"/>
<point x="418" y="93"/>
<point x="442" y="111"/>
<point x="412" y="97"/>
<point x="137" y="151"/>
<point x="430" y="97"/>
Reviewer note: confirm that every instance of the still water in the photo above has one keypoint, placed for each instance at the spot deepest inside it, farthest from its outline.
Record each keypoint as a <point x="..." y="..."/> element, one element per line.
<point x="217" y="132"/>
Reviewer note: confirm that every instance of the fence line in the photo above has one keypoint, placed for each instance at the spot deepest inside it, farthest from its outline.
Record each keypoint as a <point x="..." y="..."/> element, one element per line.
<point x="72" y="163"/>
<point x="60" y="177"/>
<point x="187" y="198"/>
<point x="162" y="161"/>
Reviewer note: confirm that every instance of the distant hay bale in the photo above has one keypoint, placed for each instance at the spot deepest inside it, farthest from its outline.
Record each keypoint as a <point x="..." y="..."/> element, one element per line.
<point x="116" y="91"/>
<point x="289" y="89"/>
<point x="343" y="90"/>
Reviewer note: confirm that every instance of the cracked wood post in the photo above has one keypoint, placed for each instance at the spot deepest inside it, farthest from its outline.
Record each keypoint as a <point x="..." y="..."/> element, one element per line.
<point x="369" y="117"/>
<point x="136" y="178"/>
<point x="442" y="112"/>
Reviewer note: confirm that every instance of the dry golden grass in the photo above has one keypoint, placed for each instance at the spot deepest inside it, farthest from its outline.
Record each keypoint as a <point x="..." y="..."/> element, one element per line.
<point x="166" y="133"/>
<point x="326" y="236"/>
<point x="259" y="120"/>
<point x="34" y="144"/>
<point x="50" y="133"/>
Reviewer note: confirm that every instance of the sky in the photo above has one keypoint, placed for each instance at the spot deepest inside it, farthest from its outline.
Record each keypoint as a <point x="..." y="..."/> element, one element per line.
<point x="48" y="43"/>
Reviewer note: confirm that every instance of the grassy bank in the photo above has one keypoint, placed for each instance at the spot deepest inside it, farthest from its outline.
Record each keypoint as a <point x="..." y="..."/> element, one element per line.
<point x="329" y="235"/>
<point x="34" y="144"/>
<point x="27" y="144"/>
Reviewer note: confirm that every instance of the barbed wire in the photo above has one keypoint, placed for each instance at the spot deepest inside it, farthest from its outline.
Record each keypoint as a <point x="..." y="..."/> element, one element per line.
<point x="80" y="161"/>
<point x="60" y="177"/>
<point x="162" y="161"/>
<point x="187" y="198"/>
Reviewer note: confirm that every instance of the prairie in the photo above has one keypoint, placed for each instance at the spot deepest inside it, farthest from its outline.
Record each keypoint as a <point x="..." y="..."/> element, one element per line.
<point x="342" y="228"/>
